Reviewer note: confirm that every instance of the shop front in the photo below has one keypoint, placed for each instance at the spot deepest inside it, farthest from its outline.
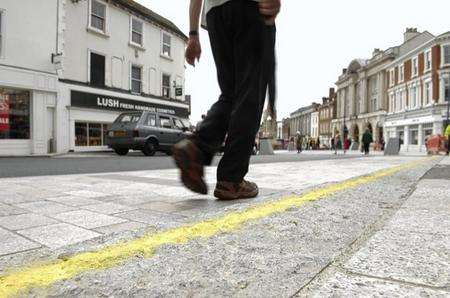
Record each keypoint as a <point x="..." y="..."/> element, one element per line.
<point x="414" y="128"/>
<point x="91" y="115"/>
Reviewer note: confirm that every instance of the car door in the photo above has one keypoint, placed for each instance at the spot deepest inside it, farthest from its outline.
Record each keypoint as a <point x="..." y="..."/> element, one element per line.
<point x="180" y="128"/>
<point x="149" y="127"/>
<point x="167" y="133"/>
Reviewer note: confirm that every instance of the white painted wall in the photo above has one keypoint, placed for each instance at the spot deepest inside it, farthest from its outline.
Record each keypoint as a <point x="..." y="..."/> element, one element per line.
<point x="79" y="41"/>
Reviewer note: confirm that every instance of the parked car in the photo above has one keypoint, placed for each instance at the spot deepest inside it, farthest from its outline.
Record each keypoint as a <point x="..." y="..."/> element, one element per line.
<point x="146" y="131"/>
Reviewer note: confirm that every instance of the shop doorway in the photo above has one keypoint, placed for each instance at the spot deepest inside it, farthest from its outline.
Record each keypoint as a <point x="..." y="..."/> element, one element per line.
<point x="51" y="144"/>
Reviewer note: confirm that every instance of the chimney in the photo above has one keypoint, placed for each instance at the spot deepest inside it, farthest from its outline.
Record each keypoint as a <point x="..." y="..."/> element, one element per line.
<point x="410" y="33"/>
<point x="324" y="100"/>
<point x="376" y="52"/>
<point x="331" y="93"/>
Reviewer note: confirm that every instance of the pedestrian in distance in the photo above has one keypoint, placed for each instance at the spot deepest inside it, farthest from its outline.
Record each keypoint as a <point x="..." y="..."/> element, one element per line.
<point x="298" y="143"/>
<point x="367" y="139"/>
<point x="242" y="35"/>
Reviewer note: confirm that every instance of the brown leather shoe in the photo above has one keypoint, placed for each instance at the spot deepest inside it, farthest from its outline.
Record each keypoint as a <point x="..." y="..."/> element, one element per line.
<point x="234" y="191"/>
<point x="189" y="160"/>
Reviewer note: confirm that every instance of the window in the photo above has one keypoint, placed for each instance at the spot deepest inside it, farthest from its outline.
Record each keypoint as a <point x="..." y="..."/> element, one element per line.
<point x="14" y="114"/>
<point x="414" y="135"/>
<point x="98" y="15"/>
<point x="151" y="120"/>
<point x="91" y="134"/>
<point x="137" y="32"/>
<point x="373" y="81"/>
<point x="136" y="79"/>
<point x="392" y="77"/>
<point x="415" y="66"/>
<point x="401" y="134"/>
<point x="178" y="124"/>
<point x="446" y="86"/>
<point x="413" y="97"/>
<point x="97" y="70"/>
<point x="129" y="118"/>
<point x="428" y="94"/>
<point x="427" y="131"/>
<point x="446" y="54"/>
<point x="428" y="60"/>
<point x="165" y="122"/>
<point x="166" y="44"/>
<point x="401" y="71"/>
<point x="392" y="102"/>
<point x="166" y="86"/>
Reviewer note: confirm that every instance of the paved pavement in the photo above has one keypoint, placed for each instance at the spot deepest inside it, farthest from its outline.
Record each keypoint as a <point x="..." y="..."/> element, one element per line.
<point x="336" y="227"/>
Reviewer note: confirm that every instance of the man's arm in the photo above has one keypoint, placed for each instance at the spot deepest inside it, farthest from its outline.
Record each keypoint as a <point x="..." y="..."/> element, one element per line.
<point x="194" y="49"/>
<point x="270" y="9"/>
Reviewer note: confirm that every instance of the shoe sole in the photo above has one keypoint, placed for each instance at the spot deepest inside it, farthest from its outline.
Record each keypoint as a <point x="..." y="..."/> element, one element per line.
<point x="191" y="171"/>
<point x="228" y="196"/>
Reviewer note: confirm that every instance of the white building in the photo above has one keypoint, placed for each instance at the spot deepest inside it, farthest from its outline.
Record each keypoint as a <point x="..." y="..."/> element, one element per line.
<point x="419" y="85"/>
<point x="111" y="56"/>
<point x="28" y="80"/>
<point x="315" y="125"/>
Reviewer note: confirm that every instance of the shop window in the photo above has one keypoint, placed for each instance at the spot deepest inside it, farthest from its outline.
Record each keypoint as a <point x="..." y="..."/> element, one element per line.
<point x="401" y="135"/>
<point x="81" y="134"/>
<point x="97" y="70"/>
<point x="91" y="134"/>
<point x="427" y="131"/>
<point x="414" y="135"/>
<point x="136" y="79"/>
<point x="95" y="134"/>
<point x="14" y="114"/>
<point x="98" y="15"/>
<point x="166" y="86"/>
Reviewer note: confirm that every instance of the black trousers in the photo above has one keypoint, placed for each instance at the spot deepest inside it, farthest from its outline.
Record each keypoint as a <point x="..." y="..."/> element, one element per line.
<point x="243" y="50"/>
<point x="366" y="148"/>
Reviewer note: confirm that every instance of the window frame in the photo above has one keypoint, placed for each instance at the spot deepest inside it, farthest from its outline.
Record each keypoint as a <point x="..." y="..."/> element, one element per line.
<point x="443" y="63"/>
<point x="105" y="19"/>
<point x="162" y="85"/>
<point x="142" y="34"/>
<point x="401" y="73"/>
<point x="415" y="67"/>
<point x="163" y="33"/>
<point x="428" y="100"/>
<point x="426" y="68"/>
<point x="132" y="79"/>
<point x="392" y="77"/>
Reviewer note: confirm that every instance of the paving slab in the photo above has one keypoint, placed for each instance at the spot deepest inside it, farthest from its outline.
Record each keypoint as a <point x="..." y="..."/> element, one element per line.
<point x="88" y="219"/>
<point x="46" y="207"/>
<point x="344" y="285"/>
<point x="13" y="243"/>
<point x="25" y="221"/>
<point x="86" y="194"/>
<point x="122" y="227"/>
<point x="153" y="218"/>
<point x="109" y="208"/>
<point x="74" y="201"/>
<point x="6" y="210"/>
<point x="58" y="235"/>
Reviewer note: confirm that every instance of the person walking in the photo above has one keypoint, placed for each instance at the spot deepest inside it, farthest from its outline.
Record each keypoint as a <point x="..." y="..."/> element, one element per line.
<point x="367" y="139"/>
<point x="447" y="135"/>
<point x="242" y="35"/>
<point x="298" y="143"/>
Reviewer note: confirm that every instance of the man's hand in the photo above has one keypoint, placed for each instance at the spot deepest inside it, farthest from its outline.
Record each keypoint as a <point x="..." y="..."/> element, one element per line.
<point x="270" y="9"/>
<point x="193" y="50"/>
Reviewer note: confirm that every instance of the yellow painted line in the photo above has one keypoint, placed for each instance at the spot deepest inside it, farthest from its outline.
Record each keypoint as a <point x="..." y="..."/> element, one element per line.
<point x="44" y="275"/>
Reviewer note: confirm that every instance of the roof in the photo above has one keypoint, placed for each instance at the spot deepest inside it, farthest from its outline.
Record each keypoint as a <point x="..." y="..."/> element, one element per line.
<point x="151" y="16"/>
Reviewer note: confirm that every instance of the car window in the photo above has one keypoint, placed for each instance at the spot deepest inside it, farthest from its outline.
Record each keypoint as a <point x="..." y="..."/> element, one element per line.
<point x="178" y="123"/>
<point x="129" y="118"/>
<point x="151" y="120"/>
<point x="165" y="122"/>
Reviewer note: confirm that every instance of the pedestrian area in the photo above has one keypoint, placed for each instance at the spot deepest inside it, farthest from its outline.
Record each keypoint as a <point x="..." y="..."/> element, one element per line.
<point x="363" y="225"/>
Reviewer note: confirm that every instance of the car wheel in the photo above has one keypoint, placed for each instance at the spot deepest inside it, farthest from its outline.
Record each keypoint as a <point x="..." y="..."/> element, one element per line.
<point x="121" y="151"/>
<point x="149" y="148"/>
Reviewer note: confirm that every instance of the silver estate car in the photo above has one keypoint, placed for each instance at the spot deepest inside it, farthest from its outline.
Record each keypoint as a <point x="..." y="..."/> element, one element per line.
<point x="146" y="131"/>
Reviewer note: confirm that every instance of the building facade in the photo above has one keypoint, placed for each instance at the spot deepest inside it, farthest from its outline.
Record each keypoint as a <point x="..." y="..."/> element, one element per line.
<point x="90" y="61"/>
<point x="28" y="79"/>
<point x="362" y="94"/>
<point x="315" y="124"/>
<point x="327" y="112"/>
<point x="300" y="120"/>
<point x="419" y="88"/>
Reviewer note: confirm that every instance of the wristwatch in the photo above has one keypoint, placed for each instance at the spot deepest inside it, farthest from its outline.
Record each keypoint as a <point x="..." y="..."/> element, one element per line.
<point x="193" y="33"/>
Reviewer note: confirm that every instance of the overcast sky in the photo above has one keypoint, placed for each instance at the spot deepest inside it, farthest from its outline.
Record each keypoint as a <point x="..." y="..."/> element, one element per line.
<point x="316" y="39"/>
